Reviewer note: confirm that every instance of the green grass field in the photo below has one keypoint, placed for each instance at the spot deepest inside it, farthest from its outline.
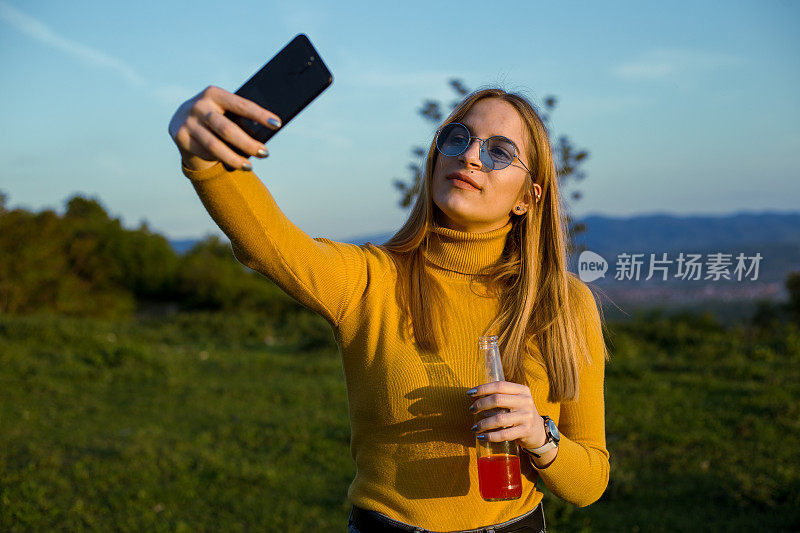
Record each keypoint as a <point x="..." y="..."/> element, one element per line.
<point x="205" y="422"/>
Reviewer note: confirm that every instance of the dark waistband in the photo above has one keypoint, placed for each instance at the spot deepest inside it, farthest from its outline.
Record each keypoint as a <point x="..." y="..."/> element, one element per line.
<point x="374" y="522"/>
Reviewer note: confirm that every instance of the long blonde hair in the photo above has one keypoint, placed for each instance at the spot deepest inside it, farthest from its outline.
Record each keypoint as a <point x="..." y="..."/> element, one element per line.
<point x="544" y="309"/>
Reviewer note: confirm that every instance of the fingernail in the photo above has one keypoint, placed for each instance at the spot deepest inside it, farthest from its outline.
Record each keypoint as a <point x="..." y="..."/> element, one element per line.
<point x="481" y="437"/>
<point x="262" y="152"/>
<point x="474" y="427"/>
<point x="472" y="391"/>
<point x="274" y="122"/>
<point x="247" y="166"/>
<point x="472" y="408"/>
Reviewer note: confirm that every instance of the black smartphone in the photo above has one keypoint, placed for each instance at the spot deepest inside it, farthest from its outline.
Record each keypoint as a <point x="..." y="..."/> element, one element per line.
<point x="285" y="86"/>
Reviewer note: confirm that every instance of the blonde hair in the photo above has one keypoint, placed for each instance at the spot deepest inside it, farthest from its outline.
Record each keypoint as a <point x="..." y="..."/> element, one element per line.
<point x="544" y="309"/>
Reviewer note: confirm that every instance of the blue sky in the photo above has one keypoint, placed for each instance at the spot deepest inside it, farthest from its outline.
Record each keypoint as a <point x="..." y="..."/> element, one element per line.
<point x="685" y="107"/>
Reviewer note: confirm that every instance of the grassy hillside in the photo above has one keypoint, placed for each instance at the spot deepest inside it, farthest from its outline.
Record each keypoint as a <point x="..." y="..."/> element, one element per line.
<point x="208" y="422"/>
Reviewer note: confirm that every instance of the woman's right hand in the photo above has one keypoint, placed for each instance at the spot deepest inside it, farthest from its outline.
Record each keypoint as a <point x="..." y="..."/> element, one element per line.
<point x="199" y="124"/>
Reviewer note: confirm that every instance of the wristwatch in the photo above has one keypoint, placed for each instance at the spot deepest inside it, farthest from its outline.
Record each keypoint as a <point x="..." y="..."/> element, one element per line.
<point x="553" y="436"/>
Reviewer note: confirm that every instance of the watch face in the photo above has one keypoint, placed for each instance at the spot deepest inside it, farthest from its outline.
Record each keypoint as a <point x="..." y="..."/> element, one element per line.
<point x="551" y="426"/>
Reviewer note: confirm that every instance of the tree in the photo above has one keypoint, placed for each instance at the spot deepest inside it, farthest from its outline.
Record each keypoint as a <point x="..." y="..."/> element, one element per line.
<point x="86" y="263"/>
<point x="568" y="158"/>
<point x="793" y="287"/>
<point x="769" y="314"/>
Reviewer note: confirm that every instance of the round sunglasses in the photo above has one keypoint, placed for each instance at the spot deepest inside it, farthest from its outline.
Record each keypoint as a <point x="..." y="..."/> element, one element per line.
<point x="496" y="152"/>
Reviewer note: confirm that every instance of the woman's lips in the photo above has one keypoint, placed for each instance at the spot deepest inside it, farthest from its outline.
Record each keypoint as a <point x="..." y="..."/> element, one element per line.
<point x="462" y="181"/>
<point x="461" y="184"/>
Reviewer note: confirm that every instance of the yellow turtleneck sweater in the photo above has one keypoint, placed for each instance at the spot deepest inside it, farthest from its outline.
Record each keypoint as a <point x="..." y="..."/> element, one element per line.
<point x="411" y="428"/>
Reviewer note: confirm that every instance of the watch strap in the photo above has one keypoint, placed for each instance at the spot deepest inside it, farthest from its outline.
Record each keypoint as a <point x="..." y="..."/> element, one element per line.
<point x="549" y="444"/>
<point x="538" y="452"/>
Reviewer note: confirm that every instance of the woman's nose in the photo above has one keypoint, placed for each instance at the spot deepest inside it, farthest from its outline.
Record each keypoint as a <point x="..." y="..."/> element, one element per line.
<point x="472" y="155"/>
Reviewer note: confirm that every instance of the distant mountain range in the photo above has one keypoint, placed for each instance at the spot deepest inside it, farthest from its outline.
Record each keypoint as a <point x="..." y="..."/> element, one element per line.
<point x="666" y="232"/>
<point x="773" y="235"/>
<point x="769" y="238"/>
<point x="182" y="246"/>
<point x="659" y="232"/>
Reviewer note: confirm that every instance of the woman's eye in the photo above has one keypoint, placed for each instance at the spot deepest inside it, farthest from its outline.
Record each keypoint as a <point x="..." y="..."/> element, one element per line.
<point x="500" y="153"/>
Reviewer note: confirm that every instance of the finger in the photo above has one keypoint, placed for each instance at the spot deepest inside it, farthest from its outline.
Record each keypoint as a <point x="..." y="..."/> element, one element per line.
<point x="195" y="147"/>
<point x="226" y="129"/>
<point x="512" y="433"/>
<point x="507" y="401"/>
<point x="217" y="149"/>
<point x="506" y="387"/>
<point x="244" y="107"/>
<point x="500" y="421"/>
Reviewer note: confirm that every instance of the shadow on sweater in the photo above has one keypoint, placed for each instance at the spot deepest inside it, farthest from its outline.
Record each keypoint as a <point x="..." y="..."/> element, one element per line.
<point x="433" y="459"/>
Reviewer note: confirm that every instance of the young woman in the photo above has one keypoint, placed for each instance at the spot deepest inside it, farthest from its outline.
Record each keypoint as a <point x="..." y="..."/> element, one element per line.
<point x="482" y="253"/>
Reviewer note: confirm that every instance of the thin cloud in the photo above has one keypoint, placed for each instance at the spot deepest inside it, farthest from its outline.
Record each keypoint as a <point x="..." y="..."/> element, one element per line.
<point x="39" y="31"/>
<point x="587" y="105"/>
<point x="668" y="63"/>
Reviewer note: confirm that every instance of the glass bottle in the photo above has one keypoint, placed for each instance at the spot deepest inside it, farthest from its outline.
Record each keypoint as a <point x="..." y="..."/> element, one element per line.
<point x="499" y="475"/>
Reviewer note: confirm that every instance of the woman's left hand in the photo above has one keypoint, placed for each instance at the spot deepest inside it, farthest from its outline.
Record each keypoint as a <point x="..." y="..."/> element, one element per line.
<point x="521" y="421"/>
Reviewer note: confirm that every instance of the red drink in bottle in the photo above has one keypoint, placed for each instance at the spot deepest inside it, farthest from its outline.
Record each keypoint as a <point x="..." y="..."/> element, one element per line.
<point x="499" y="476"/>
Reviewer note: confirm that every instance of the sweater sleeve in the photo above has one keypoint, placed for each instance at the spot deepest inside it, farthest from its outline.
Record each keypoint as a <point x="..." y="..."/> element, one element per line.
<point x="325" y="276"/>
<point x="579" y="473"/>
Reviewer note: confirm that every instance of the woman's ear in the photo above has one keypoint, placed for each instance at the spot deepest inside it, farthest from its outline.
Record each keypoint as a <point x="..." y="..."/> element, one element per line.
<point x="537" y="191"/>
<point x="523" y="204"/>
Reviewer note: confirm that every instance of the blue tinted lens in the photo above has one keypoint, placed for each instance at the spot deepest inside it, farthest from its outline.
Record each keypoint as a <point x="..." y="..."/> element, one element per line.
<point x="452" y="139"/>
<point x="497" y="152"/>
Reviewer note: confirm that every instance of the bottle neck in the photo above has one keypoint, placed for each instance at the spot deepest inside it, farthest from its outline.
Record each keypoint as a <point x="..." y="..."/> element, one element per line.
<point x="487" y="342"/>
<point x="493" y="363"/>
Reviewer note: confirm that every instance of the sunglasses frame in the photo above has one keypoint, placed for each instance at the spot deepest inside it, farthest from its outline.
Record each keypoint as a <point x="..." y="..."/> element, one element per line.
<point x="481" y="149"/>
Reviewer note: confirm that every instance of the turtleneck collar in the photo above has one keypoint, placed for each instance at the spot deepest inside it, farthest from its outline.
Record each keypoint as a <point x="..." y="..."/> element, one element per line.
<point x="464" y="252"/>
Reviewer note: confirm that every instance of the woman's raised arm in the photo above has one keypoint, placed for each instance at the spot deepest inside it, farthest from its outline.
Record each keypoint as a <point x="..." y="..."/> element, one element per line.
<point x="327" y="277"/>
